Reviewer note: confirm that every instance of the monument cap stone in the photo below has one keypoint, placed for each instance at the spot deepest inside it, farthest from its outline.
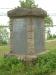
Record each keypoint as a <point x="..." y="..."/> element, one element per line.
<point x="22" y="12"/>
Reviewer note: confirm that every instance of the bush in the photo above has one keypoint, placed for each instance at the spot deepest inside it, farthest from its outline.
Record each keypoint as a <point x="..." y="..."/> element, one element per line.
<point x="11" y="66"/>
<point x="54" y="36"/>
<point x="49" y="37"/>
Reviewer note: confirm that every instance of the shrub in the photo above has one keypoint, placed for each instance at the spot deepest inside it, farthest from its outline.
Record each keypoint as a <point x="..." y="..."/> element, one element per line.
<point x="54" y="36"/>
<point x="49" y="37"/>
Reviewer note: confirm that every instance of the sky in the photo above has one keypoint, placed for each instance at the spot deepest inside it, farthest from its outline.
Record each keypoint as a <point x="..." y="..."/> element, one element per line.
<point x="48" y="5"/>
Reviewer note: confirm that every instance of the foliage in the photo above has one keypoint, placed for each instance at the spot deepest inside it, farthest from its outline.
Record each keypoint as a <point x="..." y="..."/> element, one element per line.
<point x="51" y="37"/>
<point x="28" y="4"/>
<point x="54" y="36"/>
<point x="48" y="21"/>
<point x="10" y="65"/>
<point x="31" y="4"/>
<point x="43" y="65"/>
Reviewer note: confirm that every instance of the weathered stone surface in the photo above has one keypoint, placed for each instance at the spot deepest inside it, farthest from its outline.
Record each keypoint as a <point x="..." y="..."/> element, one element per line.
<point x="21" y="12"/>
<point x="30" y="39"/>
<point x="27" y="31"/>
<point x="19" y="38"/>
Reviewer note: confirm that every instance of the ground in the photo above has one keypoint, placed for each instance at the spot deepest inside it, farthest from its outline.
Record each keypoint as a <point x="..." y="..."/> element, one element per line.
<point x="4" y="50"/>
<point x="50" y="44"/>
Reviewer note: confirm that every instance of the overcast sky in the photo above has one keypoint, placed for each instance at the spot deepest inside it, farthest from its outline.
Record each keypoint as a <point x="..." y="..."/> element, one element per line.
<point x="49" y="5"/>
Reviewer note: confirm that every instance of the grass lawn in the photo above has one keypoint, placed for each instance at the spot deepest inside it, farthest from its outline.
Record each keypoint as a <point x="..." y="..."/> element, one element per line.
<point x="4" y="49"/>
<point x="50" y="44"/>
<point x="54" y="73"/>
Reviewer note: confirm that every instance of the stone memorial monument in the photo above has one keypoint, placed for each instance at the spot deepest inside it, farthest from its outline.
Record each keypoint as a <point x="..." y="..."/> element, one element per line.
<point x="27" y="34"/>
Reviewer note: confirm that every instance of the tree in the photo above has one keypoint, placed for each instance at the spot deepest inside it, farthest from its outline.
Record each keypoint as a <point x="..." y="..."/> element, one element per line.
<point x="31" y="4"/>
<point x="48" y="21"/>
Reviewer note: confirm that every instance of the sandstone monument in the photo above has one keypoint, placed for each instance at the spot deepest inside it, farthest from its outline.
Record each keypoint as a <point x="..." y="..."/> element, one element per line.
<point x="27" y="34"/>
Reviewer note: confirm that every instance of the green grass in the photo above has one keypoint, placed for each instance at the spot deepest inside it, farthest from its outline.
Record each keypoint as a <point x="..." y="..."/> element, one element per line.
<point x="4" y="49"/>
<point x="50" y="44"/>
<point x="43" y="65"/>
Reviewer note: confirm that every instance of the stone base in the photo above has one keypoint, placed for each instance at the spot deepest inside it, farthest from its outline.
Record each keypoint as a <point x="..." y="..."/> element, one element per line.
<point x="25" y="57"/>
